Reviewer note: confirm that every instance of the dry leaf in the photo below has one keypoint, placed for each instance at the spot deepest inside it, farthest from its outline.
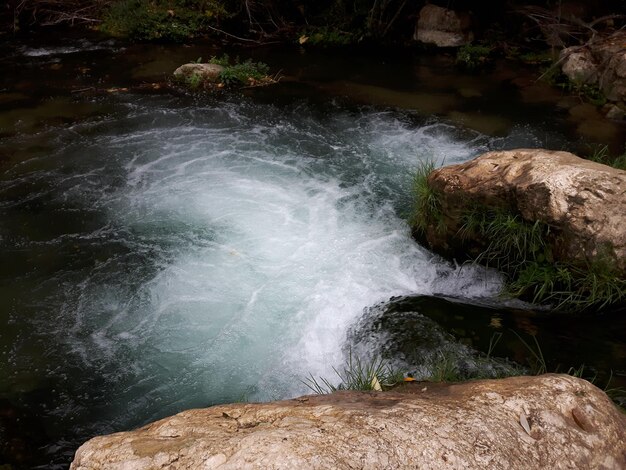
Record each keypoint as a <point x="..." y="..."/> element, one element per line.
<point x="524" y="422"/>
<point x="376" y="384"/>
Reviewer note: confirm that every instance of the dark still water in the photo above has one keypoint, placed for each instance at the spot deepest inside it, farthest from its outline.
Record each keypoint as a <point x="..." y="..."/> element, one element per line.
<point x="161" y="251"/>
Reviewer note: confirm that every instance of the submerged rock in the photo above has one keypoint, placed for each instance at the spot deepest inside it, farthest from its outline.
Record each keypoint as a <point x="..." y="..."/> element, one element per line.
<point x="443" y="27"/>
<point x="426" y="103"/>
<point x="583" y="202"/>
<point x="446" y="338"/>
<point x="550" y="421"/>
<point x="406" y="333"/>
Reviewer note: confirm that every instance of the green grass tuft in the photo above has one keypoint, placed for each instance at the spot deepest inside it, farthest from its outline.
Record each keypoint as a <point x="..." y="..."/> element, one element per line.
<point x="601" y="154"/>
<point x="222" y="60"/>
<point x="445" y="369"/>
<point x="570" y="287"/>
<point x="236" y="75"/>
<point x="242" y="74"/>
<point x="473" y="56"/>
<point x="522" y="251"/>
<point x="512" y="242"/>
<point x="193" y="81"/>
<point x="426" y="201"/>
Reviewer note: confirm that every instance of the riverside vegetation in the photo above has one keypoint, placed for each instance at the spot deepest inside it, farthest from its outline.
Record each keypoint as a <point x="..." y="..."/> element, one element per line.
<point x="326" y="23"/>
<point x="511" y="30"/>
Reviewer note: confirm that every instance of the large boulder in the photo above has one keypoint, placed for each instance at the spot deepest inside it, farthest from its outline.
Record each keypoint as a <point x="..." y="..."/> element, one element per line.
<point x="550" y="421"/>
<point x="583" y="202"/>
<point x="442" y="27"/>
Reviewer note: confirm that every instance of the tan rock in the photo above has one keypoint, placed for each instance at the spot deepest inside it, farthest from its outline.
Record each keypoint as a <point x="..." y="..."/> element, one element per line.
<point x="207" y="72"/>
<point x="579" y="65"/>
<point x="442" y="27"/>
<point x="550" y="421"/>
<point x="584" y="202"/>
<point x="601" y="63"/>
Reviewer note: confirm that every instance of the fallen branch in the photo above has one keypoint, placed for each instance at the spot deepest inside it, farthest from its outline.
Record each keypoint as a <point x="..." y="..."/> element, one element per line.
<point x="232" y="35"/>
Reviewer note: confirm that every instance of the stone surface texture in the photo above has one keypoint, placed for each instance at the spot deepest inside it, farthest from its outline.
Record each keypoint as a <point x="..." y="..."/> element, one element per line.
<point x="207" y="72"/>
<point x="579" y="65"/>
<point x="550" y="421"/>
<point x="601" y="63"/>
<point x="583" y="202"/>
<point x="442" y="27"/>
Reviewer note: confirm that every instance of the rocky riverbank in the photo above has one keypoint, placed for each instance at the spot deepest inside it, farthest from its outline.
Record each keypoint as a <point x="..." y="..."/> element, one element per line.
<point x="550" y="421"/>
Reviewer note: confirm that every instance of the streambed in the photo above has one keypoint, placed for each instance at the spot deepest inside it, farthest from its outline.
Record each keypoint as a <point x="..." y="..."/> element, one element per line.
<point x="161" y="251"/>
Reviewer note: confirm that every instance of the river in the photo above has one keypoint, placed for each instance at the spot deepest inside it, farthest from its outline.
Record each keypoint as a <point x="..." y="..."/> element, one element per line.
<point x="162" y="251"/>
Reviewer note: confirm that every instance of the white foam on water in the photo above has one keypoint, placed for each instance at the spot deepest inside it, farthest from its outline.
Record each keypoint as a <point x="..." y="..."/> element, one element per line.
<point x="272" y="231"/>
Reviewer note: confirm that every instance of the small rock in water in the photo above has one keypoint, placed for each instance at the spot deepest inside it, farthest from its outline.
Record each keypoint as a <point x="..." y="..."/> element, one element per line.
<point x="206" y="72"/>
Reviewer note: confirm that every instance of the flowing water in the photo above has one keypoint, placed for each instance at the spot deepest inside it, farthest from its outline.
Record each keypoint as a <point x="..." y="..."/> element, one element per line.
<point x="161" y="252"/>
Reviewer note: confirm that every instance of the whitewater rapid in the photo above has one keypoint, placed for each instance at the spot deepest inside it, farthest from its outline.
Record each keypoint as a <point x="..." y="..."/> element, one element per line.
<point x="223" y="250"/>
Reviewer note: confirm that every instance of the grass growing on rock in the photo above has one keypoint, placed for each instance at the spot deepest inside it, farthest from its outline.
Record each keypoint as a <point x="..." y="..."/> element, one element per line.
<point x="522" y="250"/>
<point x="240" y="74"/>
<point x="247" y="73"/>
<point x="512" y="242"/>
<point x="193" y="81"/>
<point x="378" y="375"/>
<point x="449" y="366"/>
<point x="426" y="201"/>
<point x="601" y="154"/>
<point x="233" y="76"/>
<point x="569" y="286"/>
